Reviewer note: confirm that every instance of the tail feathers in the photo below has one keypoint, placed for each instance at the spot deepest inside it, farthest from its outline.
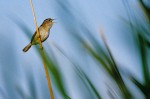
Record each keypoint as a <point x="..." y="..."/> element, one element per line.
<point x="27" y="47"/>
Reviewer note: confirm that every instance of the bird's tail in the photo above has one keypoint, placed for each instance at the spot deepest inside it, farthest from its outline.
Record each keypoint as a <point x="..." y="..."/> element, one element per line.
<point x="27" y="47"/>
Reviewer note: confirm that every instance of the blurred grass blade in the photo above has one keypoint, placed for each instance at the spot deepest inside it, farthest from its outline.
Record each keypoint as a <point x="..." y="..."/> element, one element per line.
<point x="111" y="93"/>
<point x="96" y="45"/>
<point x="145" y="8"/>
<point x="143" y="52"/>
<point x="97" y="57"/>
<point x="115" y="72"/>
<point x="93" y="87"/>
<point x="21" y="24"/>
<point x="57" y="76"/>
<point x="144" y="89"/>
<point x="85" y="78"/>
<point x="81" y="74"/>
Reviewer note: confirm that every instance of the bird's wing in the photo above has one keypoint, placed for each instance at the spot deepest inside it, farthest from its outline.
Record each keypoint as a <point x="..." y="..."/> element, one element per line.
<point x="33" y="37"/>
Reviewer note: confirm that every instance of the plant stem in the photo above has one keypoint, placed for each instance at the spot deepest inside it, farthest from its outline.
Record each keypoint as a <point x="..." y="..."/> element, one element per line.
<point x="42" y="54"/>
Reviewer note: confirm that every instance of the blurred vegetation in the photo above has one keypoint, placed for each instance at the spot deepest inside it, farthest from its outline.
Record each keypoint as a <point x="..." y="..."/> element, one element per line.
<point x="101" y="54"/>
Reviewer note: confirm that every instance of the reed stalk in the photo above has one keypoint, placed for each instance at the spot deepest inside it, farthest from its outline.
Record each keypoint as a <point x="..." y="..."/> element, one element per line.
<point x="42" y="54"/>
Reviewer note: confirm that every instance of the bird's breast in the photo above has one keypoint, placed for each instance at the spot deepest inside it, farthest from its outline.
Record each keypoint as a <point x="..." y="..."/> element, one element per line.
<point x="44" y="34"/>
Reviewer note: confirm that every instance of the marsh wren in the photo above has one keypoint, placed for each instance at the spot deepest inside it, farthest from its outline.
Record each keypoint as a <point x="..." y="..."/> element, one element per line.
<point x="44" y="33"/>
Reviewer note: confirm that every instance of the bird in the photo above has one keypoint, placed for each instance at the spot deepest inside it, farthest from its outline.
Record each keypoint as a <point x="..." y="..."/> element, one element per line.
<point x="44" y="31"/>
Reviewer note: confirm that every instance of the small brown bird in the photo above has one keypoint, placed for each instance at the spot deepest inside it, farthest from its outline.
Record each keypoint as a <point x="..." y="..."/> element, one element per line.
<point x="44" y="33"/>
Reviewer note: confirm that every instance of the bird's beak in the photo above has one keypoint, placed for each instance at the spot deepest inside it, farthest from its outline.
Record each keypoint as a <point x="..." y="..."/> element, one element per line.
<point x="53" y="20"/>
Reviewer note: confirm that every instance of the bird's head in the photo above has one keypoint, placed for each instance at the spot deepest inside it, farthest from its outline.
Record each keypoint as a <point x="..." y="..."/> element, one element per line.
<point x="48" y="22"/>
